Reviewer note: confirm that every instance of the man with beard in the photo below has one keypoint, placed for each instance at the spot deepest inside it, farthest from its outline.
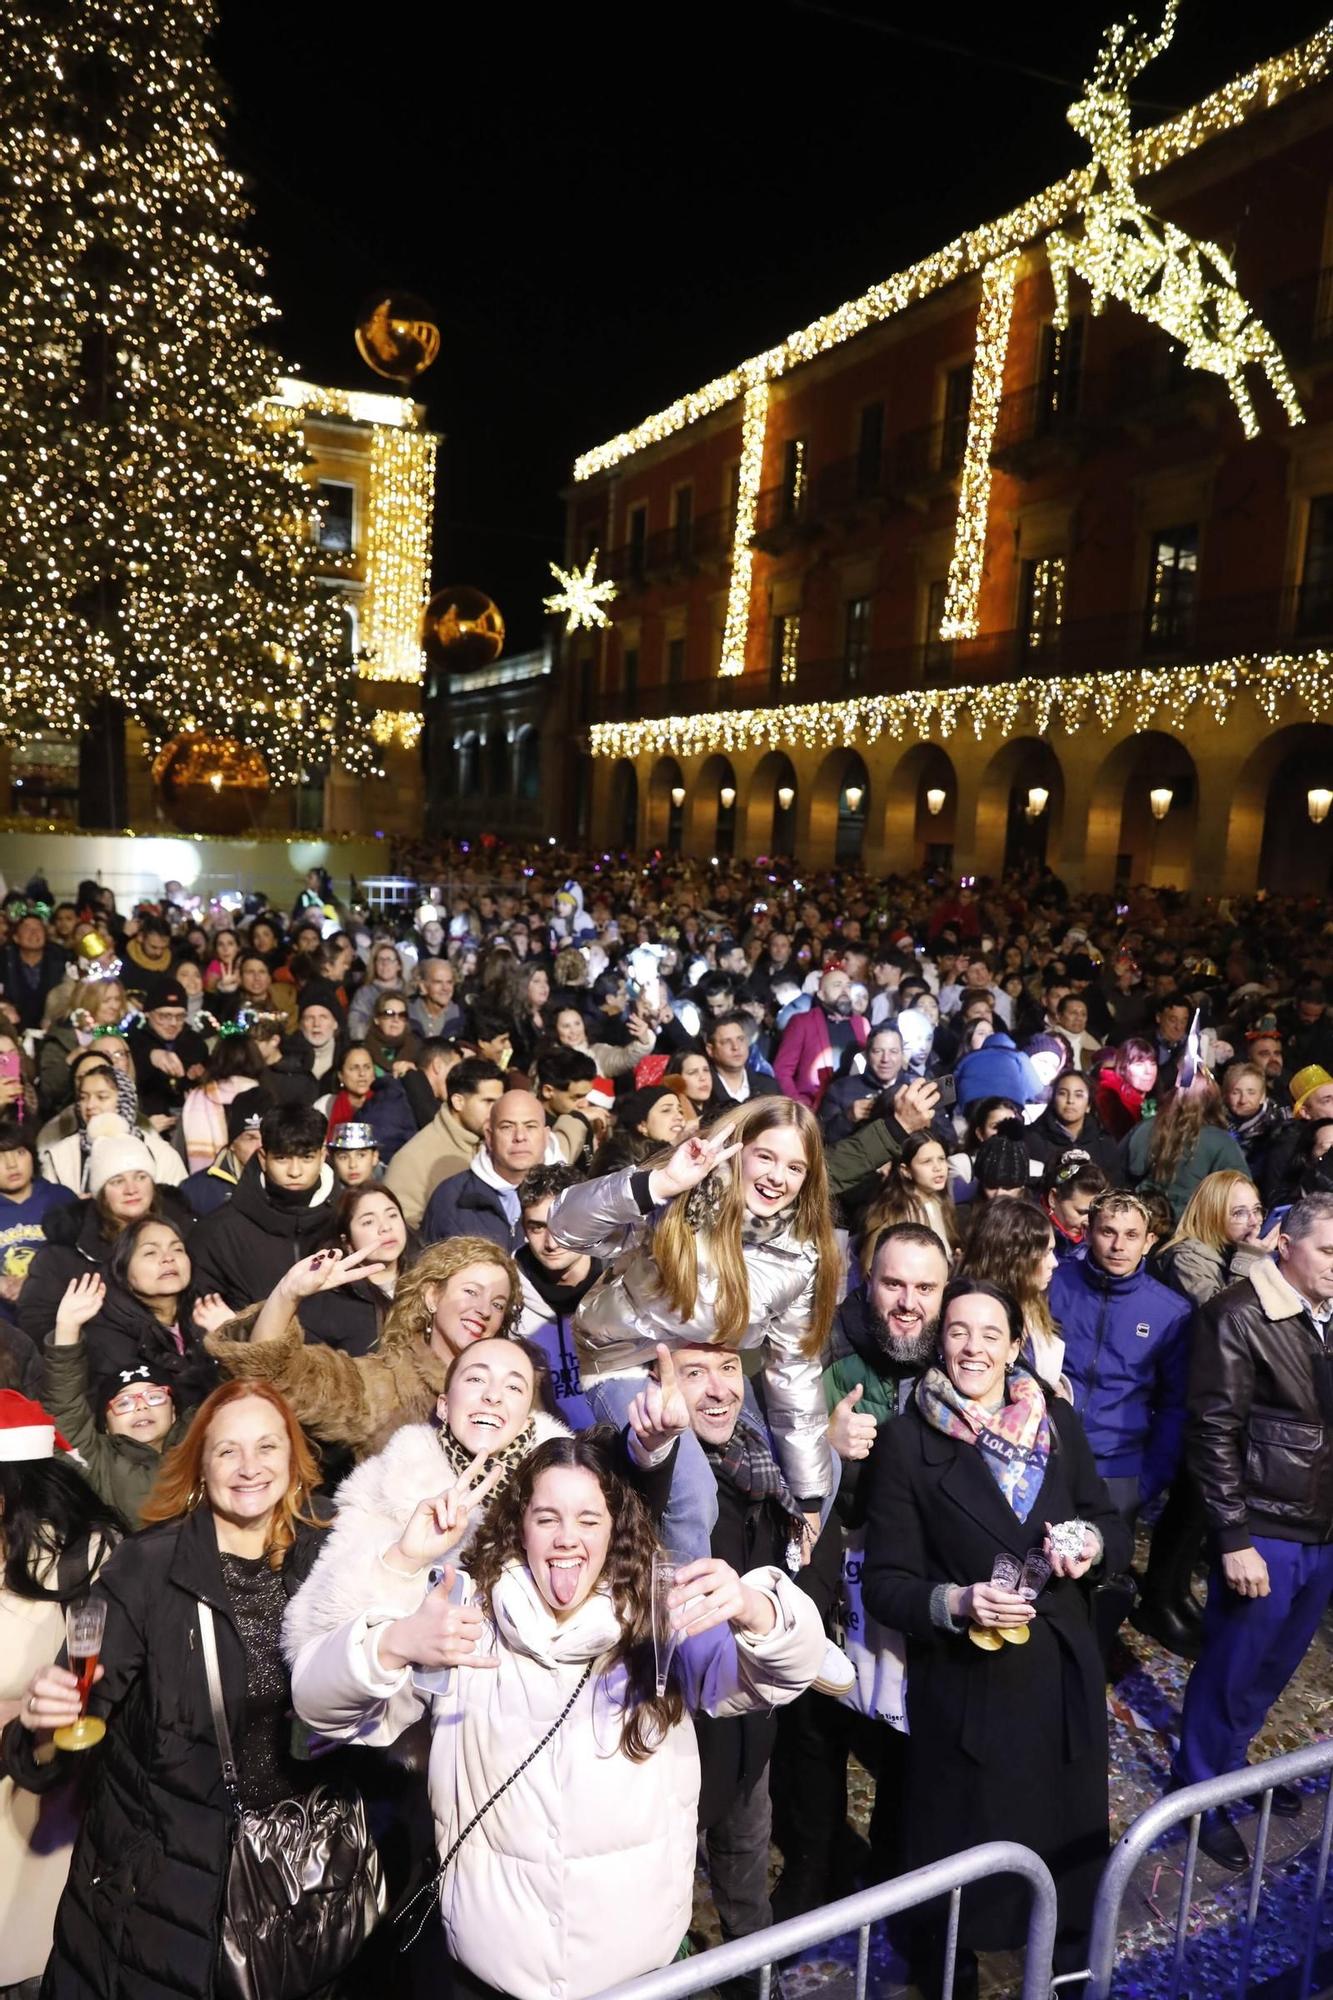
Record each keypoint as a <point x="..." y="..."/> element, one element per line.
<point x="554" y="1280"/>
<point x="883" y="1339"/>
<point x="813" y="1043"/>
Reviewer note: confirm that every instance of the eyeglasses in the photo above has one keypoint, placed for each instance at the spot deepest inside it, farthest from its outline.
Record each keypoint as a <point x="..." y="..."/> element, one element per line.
<point x="394" y="1014"/>
<point x="131" y="1400"/>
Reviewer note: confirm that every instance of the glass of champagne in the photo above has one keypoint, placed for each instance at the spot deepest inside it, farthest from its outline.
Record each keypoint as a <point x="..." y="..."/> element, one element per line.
<point x="666" y="1634"/>
<point x="85" y="1624"/>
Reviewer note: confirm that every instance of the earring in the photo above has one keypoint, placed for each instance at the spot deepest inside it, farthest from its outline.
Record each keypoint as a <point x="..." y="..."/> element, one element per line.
<point x="195" y="1498"/>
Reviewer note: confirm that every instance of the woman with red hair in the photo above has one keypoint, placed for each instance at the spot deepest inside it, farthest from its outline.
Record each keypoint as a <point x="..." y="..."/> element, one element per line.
<point x="232" y="1533"/>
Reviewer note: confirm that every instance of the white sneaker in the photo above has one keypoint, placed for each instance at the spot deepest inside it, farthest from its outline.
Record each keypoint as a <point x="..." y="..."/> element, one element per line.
<point x="837" y="1675"/>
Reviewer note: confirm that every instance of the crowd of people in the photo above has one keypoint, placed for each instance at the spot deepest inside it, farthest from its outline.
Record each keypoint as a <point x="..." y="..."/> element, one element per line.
<point x="535" y="1379"/>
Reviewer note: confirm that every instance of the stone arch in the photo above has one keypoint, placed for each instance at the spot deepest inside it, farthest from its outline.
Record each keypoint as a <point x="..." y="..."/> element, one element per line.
<point x="665" y="819"/>
<point x="469" y="764"/>
<point x="770" y="828"/>
<point x="624" y="829"/>
<point x="1007" y="835"/>
<point x="837" y="827"/>
<point x="528" y="762"/>
<point x="914" y="837"/>
<point x="1272" y="843"/>
<point x="499" y="763"/>
<point x="712" y="825"/>
<point x="1125" y="839"/>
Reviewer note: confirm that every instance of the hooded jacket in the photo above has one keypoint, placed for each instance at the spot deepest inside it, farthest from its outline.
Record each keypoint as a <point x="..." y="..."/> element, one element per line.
<point x="245" y="1247"/>
<point x="625" y="1314"/>
<point x="997" y="1069"/>
<point x="582" y="1875"/>
<point x="120" y="1470"/>
<point x="472" y="1204"/>
<point x="548" y="1321"/>
<point x="66" y="1163"/>
<point x="124" y="1334"/>
<point x="1126" y="1357"/>
<point x="75" y="1244"/>
<point x="374" y="1504"/>
<point x="1046" y="1138"/>
<point x="443" y="1148"/>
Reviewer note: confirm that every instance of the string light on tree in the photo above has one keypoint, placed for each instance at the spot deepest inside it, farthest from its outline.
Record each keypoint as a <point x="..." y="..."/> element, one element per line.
<point x="580" y="598"/>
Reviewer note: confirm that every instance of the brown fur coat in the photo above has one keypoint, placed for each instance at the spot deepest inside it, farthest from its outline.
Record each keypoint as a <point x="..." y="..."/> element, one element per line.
<point x="357" y="1400"/>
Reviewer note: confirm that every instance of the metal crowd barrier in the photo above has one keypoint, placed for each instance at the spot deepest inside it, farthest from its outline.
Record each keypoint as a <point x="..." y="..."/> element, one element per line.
<point x="857" y="1913"/>
<point x="1314" y="1761"/>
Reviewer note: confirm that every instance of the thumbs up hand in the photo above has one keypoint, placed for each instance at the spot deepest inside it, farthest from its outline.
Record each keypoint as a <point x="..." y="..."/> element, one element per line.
<point x="851" y="1433"/>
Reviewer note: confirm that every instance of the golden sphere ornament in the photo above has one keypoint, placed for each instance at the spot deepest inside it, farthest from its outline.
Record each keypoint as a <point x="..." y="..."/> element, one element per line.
<point x="462" y="628"/>
<point x="211" y="784"/>
<point x="397" y="336"/>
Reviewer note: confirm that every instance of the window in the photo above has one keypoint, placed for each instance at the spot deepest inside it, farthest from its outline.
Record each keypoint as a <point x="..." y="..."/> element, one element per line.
<point x="337" y="517"/>
<point x="1059" y="377"/>
<point x="957" y="408"/>
<point x="631" y="674"/>
<point x="675" y="662"/>
<point x="937" y="653"/>
<point x="469" y="777"/>
<point x="498" y="756"/>
<point x="856" y="639"/>
<point x="1173" y="582"/>
<point x="870" y="448"/>
<point x="1042" y="609"/>
<point x="682" y="526"/>
<point x="638" y="541"/>
<point x="793" y="479"/>
<point x="1315" y="609"/>
<point x="785" y="646"/>
<point x="529" y="763"/>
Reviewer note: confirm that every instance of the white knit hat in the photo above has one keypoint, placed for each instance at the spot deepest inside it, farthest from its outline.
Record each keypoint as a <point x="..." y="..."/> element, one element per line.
<point x="123" y="1154"/>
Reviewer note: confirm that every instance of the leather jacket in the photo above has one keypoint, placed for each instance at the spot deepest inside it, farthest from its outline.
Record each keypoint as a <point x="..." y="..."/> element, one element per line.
<point x="621" y="1319"/>
<point x="1260" y="1435"/>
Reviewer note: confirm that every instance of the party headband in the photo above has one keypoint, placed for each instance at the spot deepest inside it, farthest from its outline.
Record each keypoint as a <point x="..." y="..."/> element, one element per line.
<point x="18" y="911"/>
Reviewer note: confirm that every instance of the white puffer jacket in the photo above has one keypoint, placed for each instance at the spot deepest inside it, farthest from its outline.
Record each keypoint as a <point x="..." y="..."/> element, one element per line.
<point x="582" y="1874"/>
<point x="374" y="1504"/>
<point x="620" y="1321"/>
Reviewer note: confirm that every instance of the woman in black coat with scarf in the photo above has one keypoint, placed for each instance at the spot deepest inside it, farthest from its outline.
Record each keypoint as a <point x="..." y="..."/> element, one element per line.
<point x="141" y="1913"/>
<point x="1008" y="1740"/>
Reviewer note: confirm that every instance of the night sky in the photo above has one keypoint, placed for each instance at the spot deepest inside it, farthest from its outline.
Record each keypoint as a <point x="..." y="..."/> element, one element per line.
<point x="609" y="205"/>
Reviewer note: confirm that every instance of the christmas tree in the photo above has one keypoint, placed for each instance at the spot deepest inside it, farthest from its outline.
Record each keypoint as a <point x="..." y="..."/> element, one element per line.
<point x="155" y="524"/>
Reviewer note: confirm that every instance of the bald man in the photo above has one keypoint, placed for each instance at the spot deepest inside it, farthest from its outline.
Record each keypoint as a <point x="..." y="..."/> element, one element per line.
<point x="483" y="1199"/>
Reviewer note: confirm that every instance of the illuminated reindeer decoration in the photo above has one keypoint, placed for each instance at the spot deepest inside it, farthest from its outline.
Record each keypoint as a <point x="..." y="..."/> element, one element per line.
<point x="1125" y="252"/>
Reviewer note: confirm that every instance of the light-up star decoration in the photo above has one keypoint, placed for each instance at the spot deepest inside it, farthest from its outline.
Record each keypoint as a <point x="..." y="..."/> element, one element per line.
<point x="1185" y="286"/>
<point x="580" y="598"/>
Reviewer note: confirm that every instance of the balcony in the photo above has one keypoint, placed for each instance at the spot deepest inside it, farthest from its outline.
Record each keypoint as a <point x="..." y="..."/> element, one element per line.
<point x="683" y="550"/>
<point x="1218" y="627"/>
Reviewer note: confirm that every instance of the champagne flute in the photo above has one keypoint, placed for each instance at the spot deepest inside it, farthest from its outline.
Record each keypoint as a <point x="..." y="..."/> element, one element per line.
<point x="666" y="1636"/>
<point x="85" y="1625"/>
<point x="1005" y="1572"/>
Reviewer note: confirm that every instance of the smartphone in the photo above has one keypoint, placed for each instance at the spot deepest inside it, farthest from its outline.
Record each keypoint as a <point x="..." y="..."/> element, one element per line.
<point x="948" y="1090"/>
<point x="11" y="1066"/>
<point x="436" y="1680"/>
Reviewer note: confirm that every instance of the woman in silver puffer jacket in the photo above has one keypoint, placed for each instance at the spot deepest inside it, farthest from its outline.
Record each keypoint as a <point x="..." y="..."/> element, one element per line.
<point x="727" y="1242"/>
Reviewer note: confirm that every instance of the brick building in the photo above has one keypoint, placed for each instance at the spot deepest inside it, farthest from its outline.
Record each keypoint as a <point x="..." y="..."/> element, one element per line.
<point x="1138" y="592"/>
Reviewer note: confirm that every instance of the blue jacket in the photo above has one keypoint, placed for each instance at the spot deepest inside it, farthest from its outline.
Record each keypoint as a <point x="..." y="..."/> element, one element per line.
<point x="1127" y="1359"/>
<point x="997" y="1069"/>
<point x="465" y="1205"/>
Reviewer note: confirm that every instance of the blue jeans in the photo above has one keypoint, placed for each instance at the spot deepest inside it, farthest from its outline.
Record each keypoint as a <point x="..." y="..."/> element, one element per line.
<point x="1251" y="1648"/>
<point x="691" y="1515"/>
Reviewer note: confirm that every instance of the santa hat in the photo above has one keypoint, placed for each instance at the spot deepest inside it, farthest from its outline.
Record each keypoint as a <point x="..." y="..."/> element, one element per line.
<point x="601" y="1094"/>
<point x="26" y="1431"/>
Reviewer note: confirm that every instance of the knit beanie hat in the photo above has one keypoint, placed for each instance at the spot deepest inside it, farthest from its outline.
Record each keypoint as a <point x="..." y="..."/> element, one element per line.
<point x="245" y="1113"/>
<point x="322" y="993"/>
<point x="1002" y="1162"/>
<point x="634" y="1109"/>
<point x="121" y="1154"/>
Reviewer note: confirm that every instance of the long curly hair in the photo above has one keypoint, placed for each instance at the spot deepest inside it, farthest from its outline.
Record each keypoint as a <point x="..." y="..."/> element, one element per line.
<point x="678" y="1243"/>
<point x="410" y="1317"/>
<point x="1181" y="1118"/>
<point x="1006" y="1244"/>
<point x="628" y="1574"/>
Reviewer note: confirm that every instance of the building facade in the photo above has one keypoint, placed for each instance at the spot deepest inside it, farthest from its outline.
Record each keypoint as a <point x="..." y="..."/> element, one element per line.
<point x="373" y="470"/>
<point x="495" y="747"/>
<point x="940" y="580"/>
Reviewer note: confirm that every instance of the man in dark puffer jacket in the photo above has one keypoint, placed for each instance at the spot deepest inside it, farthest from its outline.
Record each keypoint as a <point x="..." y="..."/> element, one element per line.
<point x="281" y="1211"/>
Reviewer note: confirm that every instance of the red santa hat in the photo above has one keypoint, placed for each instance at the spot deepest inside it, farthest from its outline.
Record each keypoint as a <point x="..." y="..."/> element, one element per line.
<point x="601" y="1094"/>
<point x="26" y="1431"/>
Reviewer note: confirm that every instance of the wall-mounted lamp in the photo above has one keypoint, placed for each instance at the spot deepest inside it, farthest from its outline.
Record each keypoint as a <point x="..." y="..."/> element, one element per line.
<point x="1038" y="798"/>
<point x="1317" y="803"/>
<point x="727" y="797"/>
<point x="1159" y="798"/>
<point x="786" y="795"/>
<point x="854" y="795"/>
<point x="678" y="795"/>
<point x="935" y="801"/>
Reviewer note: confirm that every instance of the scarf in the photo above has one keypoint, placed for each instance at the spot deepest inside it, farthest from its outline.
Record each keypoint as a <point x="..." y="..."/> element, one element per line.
<point x="510" y="1455"/>
<point x="747" y="1463"/>
<point x="127" y="1104"/>
<point x="756" y="1229"/>
<point x="1014" y="1441"/>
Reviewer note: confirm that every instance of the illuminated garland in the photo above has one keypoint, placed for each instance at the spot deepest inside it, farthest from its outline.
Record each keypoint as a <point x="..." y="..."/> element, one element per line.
<point x="1257" y="90"/>
<point x="736" y="631"/>
<point x="1143" y="695"/>
<point x="398" y="517"/>
<point x="994" y="320"/>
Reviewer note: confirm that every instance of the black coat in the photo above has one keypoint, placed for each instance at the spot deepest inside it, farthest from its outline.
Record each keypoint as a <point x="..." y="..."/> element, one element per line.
<point x="350" y="1318"/>
<point x="139" y="1919"/>
<point x="161" y="1095"/>
<point x="466" y="1205"/>
<point x="28" y="998"/>
<point x="1008" y="1745"/>
<point x="75" y="1244"/>
<point x="124" y="1334"/>
<point x="244" y="1248"/>
<point x="1045" y="1139"/>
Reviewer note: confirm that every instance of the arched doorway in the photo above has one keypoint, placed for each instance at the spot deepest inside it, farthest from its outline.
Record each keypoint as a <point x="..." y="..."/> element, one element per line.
<point x="1141" y="820"/>
<point x="713" y="808"/>
<point x="666" y="806"/>
<point x="1020" y="807"/>
<point x="625" y="805"/>
<point x="528" y="763"/>
<point x="469" y="764"/>
<point x="770" y="809"/>
<point x="920" y="808"/>
<point x="1274" y="842"/>
<point x="840" y="809"/>
<point x="499" y="781"/>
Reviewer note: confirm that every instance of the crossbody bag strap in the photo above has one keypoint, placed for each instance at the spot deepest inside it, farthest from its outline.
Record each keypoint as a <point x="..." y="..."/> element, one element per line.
<point x="208" y="1639"/>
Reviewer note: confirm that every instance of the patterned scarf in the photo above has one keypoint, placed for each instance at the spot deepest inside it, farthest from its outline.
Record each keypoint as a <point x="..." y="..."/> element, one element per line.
<point x="1014" y="1441"/>
<point x="510" y="1455"/>
<point x="127" y="1104"/>
<point x="747" y="1462"/>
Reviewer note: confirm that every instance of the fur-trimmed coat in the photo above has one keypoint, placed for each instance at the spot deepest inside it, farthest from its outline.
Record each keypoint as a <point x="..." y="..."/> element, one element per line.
<point x="374" y="1504"/>
<point x="358" y="1400"/>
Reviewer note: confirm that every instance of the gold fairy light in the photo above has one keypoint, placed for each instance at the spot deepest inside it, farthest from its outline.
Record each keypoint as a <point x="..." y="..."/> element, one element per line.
<point x="580" y="598"/>
<point x="994" y="319"/>
<point x="400" y="502"/>
<point x="736" y="630"/>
